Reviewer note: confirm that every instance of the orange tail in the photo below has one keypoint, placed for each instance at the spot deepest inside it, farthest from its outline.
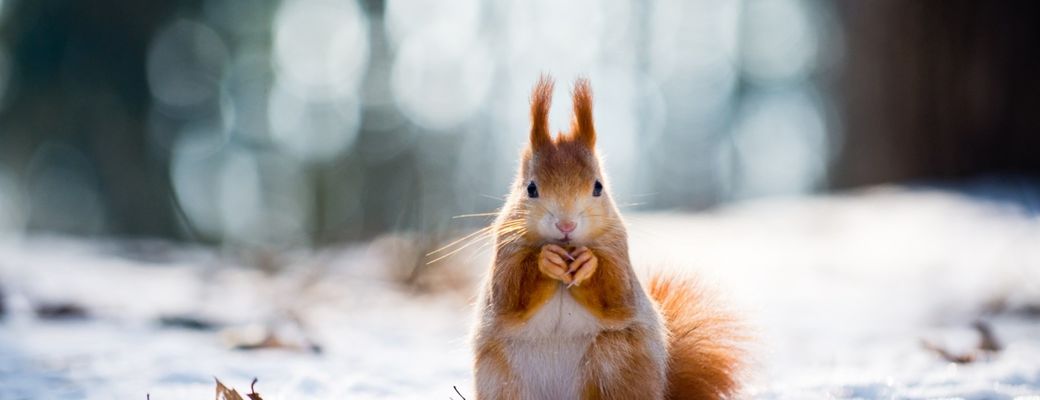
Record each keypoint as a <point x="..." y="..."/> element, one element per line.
<point x="705" y="356"/>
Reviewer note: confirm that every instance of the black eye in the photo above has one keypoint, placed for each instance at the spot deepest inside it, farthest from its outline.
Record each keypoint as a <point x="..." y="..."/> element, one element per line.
<point x="532" y="190"/>
<point x="597" y="189"/>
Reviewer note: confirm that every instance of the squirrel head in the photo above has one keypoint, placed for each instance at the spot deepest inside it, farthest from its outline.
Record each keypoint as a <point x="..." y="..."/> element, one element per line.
<point x="560" y="191"/>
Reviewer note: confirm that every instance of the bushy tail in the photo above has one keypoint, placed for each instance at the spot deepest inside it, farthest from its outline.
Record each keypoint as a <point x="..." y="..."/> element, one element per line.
<point x="705" y="353"/>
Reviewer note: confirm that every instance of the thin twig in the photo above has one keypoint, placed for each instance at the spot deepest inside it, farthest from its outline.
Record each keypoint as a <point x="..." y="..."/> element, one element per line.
<point x="457" y="391"/>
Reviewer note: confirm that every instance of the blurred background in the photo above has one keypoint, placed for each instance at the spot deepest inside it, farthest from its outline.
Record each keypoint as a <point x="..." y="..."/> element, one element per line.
<point x="279" y="124"/>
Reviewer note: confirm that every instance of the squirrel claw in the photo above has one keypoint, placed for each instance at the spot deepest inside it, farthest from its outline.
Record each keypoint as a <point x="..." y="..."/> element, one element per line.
<point x="551" y="263"/>
<point x="583" y="266"/>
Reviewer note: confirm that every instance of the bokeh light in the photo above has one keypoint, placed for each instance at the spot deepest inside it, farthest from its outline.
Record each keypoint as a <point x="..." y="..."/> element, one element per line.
<point x="563" y="38"/>
<point x="321" y="47"/>
<point x="405" y="19"/>
<point x="779" y="40"/>
<point x="262" y="200"/>
<point x="300" y="121"/>
<point x="438" y="83"/>
<point x="700" y="79"/>
<point x="442" y="72"/>
<point x="311" y="129"/>
<point x="781" y="145"/>
<point x="246" y="86"/>
<point x="186" y="63"/>
<point x="239" y="196"/>
<point x="193" y="162"/>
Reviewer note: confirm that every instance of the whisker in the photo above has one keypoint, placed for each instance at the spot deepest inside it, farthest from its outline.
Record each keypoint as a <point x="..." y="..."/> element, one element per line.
<point x="476" y="234"/>
<point x="506" y="237"/>
<point x="445" y="247"/>
<point x="601" y="215"/>
<point x="508" y="227"/>
<point x="487" y="214"/>
<point x="493" y="197"/>
<point x="453" y="252"/>
<point x="507" y="232"/>
<point x="515" y="221"/>
<point x="509" y="240"/>
<point x="484" y="246"/>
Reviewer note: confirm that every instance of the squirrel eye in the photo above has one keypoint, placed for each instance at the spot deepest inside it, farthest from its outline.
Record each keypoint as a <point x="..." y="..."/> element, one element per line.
<point x="597" y="189"/>
<point x="532" y="190"/>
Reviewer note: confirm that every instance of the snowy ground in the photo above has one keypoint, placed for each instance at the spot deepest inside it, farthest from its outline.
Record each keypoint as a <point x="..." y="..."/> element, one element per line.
<point x="840" y="291"/>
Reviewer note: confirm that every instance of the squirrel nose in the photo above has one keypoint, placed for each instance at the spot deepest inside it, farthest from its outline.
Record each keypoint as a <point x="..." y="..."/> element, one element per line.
<point x="566" y="226"/>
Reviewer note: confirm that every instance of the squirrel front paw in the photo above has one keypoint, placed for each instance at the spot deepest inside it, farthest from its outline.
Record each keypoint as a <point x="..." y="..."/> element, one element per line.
<point x="583" y="266"/>
<point x="552" y="262"/>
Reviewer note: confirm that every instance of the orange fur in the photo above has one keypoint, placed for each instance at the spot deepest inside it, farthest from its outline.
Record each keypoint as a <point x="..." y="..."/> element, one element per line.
<point x="541" y="100"/>
<point x="608" y="294"/>
<point x="492" y="366"/>
<point x="616" y="348"/>
<point x="518" y="289"/>
<point x="584" y="327"/>
<point x="704" y="353"/>
<point x="583" y="112"/>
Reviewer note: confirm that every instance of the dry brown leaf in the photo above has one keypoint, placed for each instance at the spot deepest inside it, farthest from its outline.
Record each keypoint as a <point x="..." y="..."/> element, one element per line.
<point x="948" y="355"/>
<point x="988" y="345"/>
<point x="271" y="340"/>
<point x="987" y="339"/>
<point x="226" y="393"/>
<point x="252" y="388"/>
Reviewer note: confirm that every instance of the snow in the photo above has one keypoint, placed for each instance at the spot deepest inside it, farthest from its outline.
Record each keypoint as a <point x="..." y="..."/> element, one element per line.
<point x="838" y="291"/>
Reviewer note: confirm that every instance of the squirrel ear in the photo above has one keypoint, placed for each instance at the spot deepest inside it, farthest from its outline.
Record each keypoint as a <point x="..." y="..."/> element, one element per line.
<point x="582" y="127"/>
<point x="541" y="99"/>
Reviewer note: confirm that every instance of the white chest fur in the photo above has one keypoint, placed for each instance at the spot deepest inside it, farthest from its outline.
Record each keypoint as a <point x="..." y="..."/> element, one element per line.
<point x="546" y="352"/>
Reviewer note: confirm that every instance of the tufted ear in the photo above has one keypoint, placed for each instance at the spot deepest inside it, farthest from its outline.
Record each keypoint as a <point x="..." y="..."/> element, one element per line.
<point x="582" y="127"/>
<point x="541" y="99"/>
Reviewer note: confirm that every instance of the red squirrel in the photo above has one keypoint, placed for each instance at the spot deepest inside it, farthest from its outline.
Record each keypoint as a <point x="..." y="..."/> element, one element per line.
<point x="562" y="313"/>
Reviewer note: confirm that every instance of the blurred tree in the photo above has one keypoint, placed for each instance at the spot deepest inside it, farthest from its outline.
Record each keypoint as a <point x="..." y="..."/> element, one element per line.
<point x="78" y="80"/>
<point x="939" y="90"/>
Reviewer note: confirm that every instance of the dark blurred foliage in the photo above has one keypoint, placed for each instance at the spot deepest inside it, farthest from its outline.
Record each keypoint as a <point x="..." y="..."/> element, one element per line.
<point x="77" y="97"/>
